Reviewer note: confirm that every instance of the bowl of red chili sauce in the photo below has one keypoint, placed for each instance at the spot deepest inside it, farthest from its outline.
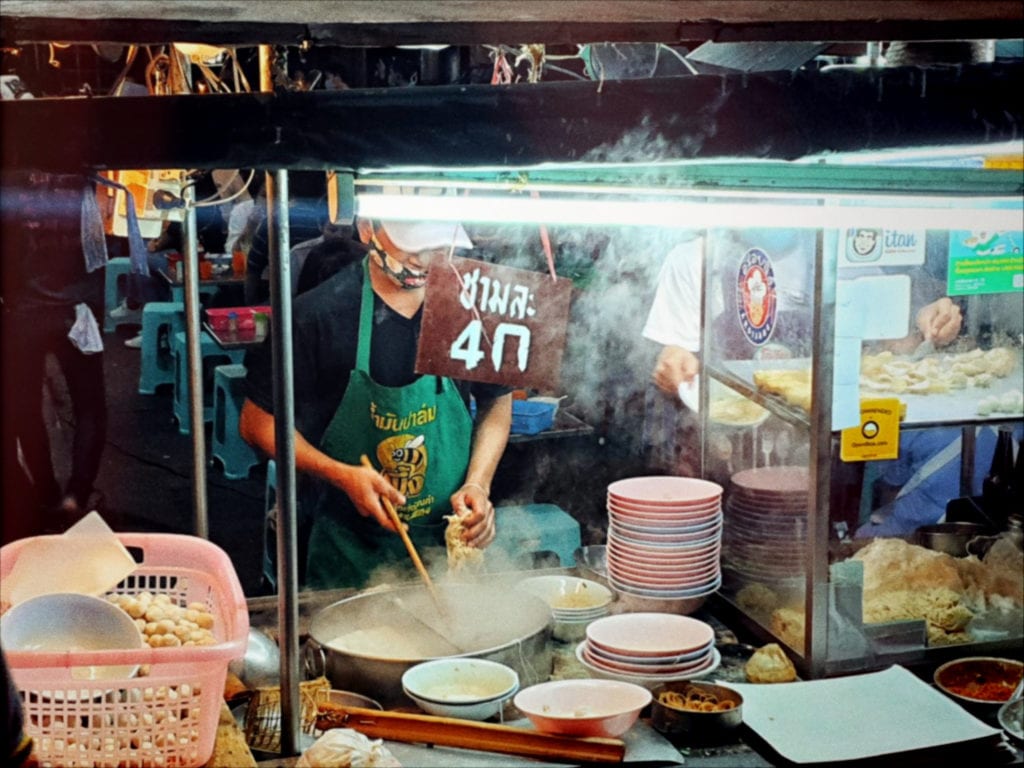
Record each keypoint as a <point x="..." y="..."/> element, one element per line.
<point x="981" y="681"/>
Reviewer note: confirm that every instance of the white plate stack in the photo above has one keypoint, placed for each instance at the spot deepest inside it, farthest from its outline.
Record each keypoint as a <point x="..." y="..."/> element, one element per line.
<point x="665" y="539"/>
<point x="648" y="648"/>
<point x="765" y="536"/>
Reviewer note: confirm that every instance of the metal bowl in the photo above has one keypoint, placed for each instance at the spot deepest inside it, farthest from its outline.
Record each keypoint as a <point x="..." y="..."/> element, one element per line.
<point x="958" y="680"/>
<point x="951" y="538"/>
<point x="1011" y="718"/>
<point x="261" y="665"/>
<point x="693" y="727"/>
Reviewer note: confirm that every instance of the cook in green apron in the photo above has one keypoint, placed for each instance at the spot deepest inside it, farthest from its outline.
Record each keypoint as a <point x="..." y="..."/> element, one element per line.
<point x="419" y="435"/>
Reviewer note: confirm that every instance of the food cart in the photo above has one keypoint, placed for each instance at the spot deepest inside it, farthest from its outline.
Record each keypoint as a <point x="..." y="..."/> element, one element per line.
<point x="570" y="149"/>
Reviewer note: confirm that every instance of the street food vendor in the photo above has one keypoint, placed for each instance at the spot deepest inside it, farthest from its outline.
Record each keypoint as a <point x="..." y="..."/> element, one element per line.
<point x="356" y="394"/>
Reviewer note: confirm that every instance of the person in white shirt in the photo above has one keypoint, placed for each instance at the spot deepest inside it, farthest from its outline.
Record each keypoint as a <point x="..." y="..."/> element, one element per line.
<point x="674" y="319"/>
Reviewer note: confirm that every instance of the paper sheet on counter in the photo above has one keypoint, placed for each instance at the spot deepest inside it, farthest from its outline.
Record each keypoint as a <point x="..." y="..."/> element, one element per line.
<point x="857" y="717"/>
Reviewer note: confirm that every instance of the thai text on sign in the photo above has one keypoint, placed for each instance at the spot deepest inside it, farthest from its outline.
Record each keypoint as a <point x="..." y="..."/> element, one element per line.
<point x="485" y="322"/>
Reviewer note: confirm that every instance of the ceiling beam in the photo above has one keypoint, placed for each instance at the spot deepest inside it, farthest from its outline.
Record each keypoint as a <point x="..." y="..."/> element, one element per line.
<point x="779" y="116"/>
<point x="465" y="22"/>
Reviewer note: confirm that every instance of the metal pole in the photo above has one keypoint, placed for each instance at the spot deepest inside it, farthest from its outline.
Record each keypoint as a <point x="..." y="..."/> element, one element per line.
<point x="284" y="430"/>
<point x="284" y="448"/>
<point x="195" y="365"/>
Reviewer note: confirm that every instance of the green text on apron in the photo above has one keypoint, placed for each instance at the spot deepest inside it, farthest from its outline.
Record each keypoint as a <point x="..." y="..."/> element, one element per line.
<point x="419" y="435"/>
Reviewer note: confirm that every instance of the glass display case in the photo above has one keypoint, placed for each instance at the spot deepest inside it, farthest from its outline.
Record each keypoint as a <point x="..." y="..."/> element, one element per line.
<point x="838" y="429"/>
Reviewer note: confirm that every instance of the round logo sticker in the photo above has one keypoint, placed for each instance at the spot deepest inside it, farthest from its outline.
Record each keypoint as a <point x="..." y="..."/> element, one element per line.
<point x="755" y="296"/>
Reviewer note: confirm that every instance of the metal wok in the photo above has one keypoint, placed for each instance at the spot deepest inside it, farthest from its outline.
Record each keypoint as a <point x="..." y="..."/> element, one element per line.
<point x="366" y="642"/>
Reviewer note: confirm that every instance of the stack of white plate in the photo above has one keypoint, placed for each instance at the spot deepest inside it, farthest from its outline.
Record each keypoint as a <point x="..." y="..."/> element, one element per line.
<point x="665" y="537"/>
<point x="765" y="536"/>
<point x="648" y="648"/>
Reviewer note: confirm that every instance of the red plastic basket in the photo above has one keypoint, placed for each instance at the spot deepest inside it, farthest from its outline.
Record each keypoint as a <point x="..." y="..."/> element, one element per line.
<point x="168" y="714"/>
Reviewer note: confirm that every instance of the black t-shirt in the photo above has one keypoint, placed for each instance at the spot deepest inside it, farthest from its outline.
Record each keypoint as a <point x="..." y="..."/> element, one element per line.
<point x="41" y="242"/>
<point x="325" y="333"/>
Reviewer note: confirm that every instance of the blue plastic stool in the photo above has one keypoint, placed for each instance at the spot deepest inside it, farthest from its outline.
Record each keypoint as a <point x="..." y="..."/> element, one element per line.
<point x="178" y="291"/>
<point x="115" y="290"/>
<point x="212" y="355"/>
<point x="535" y="528"/>
<point x="236" y="455"/>
<point x="160" y="321"/>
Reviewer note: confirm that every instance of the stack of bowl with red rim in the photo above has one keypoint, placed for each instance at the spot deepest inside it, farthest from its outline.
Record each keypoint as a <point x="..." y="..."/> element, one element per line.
<point x="648" y="648"/>
<point x="664" y="542"/>
<point x="765" y="536"/>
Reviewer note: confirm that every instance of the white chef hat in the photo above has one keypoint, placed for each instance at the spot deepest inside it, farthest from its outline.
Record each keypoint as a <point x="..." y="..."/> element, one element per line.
<point x="416" y="236"/>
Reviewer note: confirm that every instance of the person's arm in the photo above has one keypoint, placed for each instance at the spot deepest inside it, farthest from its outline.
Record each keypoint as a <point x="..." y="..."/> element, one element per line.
<point x="363" y="486"/>
<point x="674" y="366"/>
<point x="673" y="320"/>
<point x="940" y="321"/>
<point x="472" y="501"/>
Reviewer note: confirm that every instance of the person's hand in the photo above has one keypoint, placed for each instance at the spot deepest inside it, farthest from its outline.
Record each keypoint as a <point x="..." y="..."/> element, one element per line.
<point x="366" y="488"/>
<point x="674" y="366"/>
<point x="472" y="504"/>
<point x="940" y="321"/>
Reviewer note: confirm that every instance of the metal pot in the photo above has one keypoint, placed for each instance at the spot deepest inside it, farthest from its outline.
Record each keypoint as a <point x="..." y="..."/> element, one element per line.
<point x="691" y="727"/>
<point x="951" y="538"/>
<point x="502" y="624"/>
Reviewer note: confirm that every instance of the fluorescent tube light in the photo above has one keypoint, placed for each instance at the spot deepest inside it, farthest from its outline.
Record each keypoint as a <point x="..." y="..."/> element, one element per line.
<point x="895" y="213"/>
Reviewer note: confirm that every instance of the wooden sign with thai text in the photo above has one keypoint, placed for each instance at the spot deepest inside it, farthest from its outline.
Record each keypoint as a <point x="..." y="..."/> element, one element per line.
<point x="484" y="322"/>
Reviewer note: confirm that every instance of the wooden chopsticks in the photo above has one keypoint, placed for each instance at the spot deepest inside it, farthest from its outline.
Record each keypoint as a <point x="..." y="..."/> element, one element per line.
<point x="409" y="546"/>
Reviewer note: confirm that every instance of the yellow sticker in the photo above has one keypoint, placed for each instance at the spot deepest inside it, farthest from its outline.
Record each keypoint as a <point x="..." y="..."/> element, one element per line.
<point x="878" y="436"/>
<point x="1004" y="162"/>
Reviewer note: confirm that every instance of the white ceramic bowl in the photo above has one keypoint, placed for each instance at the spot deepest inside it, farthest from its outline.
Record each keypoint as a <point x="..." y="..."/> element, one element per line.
<point x="583" y="707"/>
<point x="67" y="621"/>
<point x="568" y="594"/>
<point x="470" y="689"/>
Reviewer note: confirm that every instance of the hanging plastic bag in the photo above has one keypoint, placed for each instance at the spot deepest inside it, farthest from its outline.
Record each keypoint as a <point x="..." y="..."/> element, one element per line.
<point x="85" y="333"/>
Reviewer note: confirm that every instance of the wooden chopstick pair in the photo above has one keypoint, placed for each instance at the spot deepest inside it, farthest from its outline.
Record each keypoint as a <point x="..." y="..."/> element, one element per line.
<point x="409" y="546"/>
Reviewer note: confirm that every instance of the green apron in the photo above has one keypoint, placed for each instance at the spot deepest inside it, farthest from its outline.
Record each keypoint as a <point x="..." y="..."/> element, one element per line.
<point x="419" y="435"/>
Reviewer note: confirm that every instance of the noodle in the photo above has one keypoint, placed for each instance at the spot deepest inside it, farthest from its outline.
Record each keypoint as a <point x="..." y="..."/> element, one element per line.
<point x="695" y="700"/>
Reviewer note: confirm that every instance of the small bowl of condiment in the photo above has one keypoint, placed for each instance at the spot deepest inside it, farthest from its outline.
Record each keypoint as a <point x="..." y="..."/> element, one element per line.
<point x="983" y="683"/>
<point x="694" y="712"/>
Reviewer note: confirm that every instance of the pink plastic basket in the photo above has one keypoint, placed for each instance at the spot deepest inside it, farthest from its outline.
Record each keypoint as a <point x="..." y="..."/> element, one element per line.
<point x="168" y="714"/>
